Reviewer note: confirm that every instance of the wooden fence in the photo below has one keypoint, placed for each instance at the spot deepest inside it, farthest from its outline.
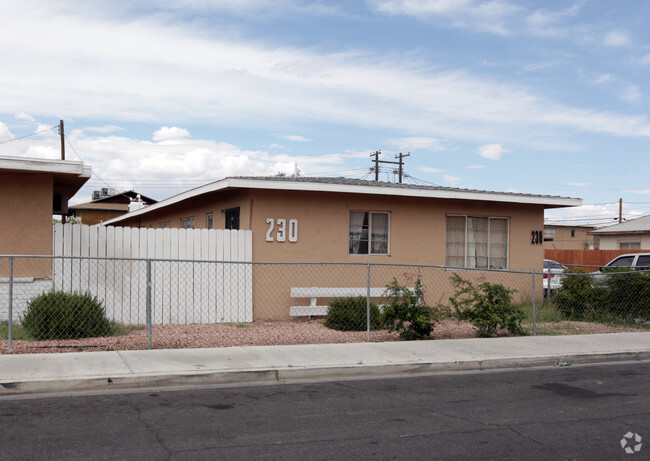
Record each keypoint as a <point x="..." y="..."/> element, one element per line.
<point x="593" y="259"/>
<point x="196" y="275"/>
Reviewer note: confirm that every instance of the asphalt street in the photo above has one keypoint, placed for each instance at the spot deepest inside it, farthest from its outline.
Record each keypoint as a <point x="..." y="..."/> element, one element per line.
<point x="576" y="412"/>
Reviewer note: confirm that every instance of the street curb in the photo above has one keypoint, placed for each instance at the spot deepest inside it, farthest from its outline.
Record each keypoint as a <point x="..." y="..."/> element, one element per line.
<point x="282" y="374"/>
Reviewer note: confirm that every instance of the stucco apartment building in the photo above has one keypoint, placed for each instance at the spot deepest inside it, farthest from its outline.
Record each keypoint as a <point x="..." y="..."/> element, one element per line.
<point x="567" y="237"/>
<point x="300" y="219"/>
<point x="631" y="235"/>
<point x="347" y="220"/>
<point x="106" y="204"/>
<point x="31" y="191"/>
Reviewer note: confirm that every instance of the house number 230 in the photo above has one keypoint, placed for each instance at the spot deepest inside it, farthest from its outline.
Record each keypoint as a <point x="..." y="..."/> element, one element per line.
<point x="282" y="231"/>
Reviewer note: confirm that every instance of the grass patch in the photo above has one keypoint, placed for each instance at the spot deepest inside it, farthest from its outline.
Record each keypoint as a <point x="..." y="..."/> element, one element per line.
<point x="18" y="333"/>
<point x="545" y="312"/>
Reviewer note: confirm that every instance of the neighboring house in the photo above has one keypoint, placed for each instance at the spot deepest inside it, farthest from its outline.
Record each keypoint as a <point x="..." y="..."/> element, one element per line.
<point x="301" y="219"/>
<point x="633" y="234"/>
<point x="31" y="191"/>
<point x="106" y="204"/>
<point x="561" y="237"/>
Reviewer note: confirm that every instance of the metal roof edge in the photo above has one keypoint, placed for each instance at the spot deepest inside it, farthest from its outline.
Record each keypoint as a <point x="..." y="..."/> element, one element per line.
<point x="71" y="167"/>
<point x="379" y="189"/>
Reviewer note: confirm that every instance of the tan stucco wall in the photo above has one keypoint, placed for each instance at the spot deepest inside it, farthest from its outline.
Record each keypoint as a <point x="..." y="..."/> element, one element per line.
<point x="417" y="236"/>
<point x="26" y="227"/>
<point x="92" y="217"/>
<point x="417" y="227"/>
<point x="198" y="208"/>
<point x="612" y="242"/>
<point x="562" y="239"/>
<point x="26" y="204"/>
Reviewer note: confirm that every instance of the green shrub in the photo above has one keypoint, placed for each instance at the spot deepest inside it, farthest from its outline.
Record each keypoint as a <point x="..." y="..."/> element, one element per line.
<point x="577" y="298"/>
<point x="627" y="297"/>
<point x="351" y="314"/>
<point x="488" y="307"/>
<point x="61" y="315"/>
<point x="407" y="313"/>
<point x="620" y="296"/>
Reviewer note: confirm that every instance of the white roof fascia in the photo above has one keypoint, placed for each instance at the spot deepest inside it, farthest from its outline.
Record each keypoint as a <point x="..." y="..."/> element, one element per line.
<point x="245" y="183"/>
<point x="46" y="166"/>
<point x="407" y="192"/>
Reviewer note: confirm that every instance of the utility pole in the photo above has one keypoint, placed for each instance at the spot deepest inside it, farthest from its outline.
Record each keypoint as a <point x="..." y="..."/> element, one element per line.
<point x="62" y="139"/>
<point x="401" y="164"/>
<point x="377" y="162"/>
<point x="620" y="210"/>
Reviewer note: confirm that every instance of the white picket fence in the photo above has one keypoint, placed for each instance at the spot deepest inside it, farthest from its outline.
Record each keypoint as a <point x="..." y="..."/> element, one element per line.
<point x="196" y="275"/>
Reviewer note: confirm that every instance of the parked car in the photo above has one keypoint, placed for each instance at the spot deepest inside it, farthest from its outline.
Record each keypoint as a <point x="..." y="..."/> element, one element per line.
<point x="552" y="275"/>
<point x="633" y="260"/>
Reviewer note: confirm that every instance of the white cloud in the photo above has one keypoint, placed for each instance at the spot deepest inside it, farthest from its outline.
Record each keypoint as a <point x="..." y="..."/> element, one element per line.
<point x="490" y="16"/>
<point x="293" y="137"/>
<point x="632" y="94"/>
<point x="46" y="130"/>
<point x="551" y="23"/>
<point x="255" y="85"/>
<point x="172" y="133"/>
<point x="158" y="169"/>
<point x="616" y="38"/>
<point x="453" y="180"/>
<point x="475" y="167"/>
<point x="5" y="134"/>
<point x="626" y="91"/>
<point x="24" y="116"/>
<point x="492" y="151"/>
<point x="643" y="60"/>
<point x="104" y="129"/>
<point x="419" y="143"/>
<point x="638" y="191"/>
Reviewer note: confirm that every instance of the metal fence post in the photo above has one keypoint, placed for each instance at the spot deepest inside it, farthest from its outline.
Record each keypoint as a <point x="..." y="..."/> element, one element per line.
<point x="148" y="313"/>
<point x="534" y="311"/>
<point x="368" y="302"/>
<point x="11" y="302"/>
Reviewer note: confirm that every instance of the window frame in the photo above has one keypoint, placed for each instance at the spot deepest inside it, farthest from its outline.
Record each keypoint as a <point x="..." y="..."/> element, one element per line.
<point x="370" y="213"/>
<point x="189" y="219"/>
<point x="209" y="220"/>
<point x="466" y="242"/>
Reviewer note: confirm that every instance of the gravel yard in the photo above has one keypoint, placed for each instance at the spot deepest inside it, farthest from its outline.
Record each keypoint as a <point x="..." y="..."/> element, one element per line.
<point x="267" y="334"/>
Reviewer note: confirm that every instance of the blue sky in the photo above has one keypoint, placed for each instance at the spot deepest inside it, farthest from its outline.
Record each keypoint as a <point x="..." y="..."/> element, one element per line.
<point x="542" y="97"/>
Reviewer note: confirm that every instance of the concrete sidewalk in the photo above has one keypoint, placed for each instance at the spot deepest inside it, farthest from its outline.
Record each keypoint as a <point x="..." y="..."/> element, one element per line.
<point x="28" y="373"/>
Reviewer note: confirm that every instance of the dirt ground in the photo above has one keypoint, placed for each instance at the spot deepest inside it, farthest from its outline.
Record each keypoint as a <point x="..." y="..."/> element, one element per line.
<point x="270" y="333"/>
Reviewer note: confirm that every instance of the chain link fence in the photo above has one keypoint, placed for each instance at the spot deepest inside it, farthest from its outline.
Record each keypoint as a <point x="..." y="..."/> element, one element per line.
<point x="53" y="304"/>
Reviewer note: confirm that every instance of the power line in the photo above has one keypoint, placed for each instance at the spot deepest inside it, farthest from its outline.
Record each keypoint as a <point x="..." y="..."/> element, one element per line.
<point x="28" y="135"/>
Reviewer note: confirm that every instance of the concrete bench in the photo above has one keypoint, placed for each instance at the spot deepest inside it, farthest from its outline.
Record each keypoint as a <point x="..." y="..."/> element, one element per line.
<point x="327" y="292"/>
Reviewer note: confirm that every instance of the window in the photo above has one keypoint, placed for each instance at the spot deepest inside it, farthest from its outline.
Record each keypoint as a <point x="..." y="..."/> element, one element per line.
<point x="624" y="261"/>
<point x="232" y="218"/>
<point x="479" y="242"/>
<point x="549" y="232"/>
<point x="368" y="233"/>
<point x="643" y="261"/>
<point x="573" y="232"/>
<point x="187" y="223"/>
<point x="629" y="245"/>
<point x="208" y="221"/>
<point x="164" y="225"/>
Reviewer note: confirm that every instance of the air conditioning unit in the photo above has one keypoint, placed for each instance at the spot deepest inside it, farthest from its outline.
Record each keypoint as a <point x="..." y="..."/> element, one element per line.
<point x="96" y="195"/>
<point x="104" y="191"/>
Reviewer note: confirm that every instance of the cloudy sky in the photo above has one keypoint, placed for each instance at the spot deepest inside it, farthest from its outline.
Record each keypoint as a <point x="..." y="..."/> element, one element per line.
<point x="544" y="97"/>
